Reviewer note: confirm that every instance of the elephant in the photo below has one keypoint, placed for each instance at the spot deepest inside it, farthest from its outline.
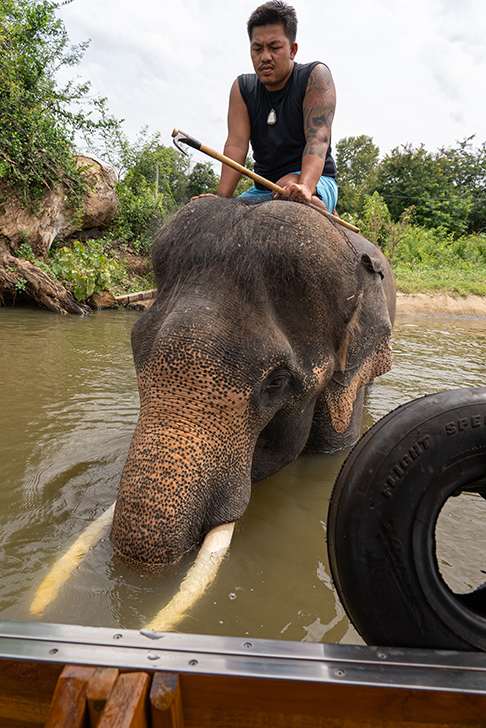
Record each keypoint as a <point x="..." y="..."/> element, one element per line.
<point x="269" y="321"/>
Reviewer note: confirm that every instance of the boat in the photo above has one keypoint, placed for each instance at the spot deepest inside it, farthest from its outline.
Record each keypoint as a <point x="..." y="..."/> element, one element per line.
<point x="65" y="675"/>
<point x="54" y="675"/>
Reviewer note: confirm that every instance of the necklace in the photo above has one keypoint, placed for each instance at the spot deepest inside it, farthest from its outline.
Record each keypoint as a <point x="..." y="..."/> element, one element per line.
<point x="275" y="99"/>
<point x="272" y="117"/>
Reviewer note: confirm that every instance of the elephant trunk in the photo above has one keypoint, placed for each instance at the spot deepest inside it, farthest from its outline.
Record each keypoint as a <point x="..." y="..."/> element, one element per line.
<point x="174" y="490"/>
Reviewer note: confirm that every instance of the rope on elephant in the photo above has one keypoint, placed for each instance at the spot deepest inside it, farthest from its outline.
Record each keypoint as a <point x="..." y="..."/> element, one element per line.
<point x="201" y="574"/>
<point x="63" y="567"/>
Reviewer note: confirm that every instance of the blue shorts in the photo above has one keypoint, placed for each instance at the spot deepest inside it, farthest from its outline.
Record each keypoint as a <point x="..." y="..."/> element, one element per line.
<point x="327" y="190"/>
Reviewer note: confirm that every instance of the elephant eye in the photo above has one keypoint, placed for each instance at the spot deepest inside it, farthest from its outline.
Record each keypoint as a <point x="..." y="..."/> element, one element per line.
<point x="277" y="381"/>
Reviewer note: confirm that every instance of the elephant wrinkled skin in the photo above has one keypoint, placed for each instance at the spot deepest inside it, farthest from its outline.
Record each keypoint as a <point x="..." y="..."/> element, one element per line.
<point x="267" y="325"/>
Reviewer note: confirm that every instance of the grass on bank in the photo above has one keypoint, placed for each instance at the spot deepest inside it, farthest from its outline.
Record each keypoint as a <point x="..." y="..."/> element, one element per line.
<point x="432" y="261"/>
<point x="455" y="281"/>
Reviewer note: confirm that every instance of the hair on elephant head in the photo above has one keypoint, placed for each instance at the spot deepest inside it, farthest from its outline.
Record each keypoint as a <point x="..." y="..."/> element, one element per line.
<point x="267" y="324"/>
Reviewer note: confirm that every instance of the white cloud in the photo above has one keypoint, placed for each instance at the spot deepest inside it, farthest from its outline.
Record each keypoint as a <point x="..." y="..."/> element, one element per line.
<point x="405" y="71"/>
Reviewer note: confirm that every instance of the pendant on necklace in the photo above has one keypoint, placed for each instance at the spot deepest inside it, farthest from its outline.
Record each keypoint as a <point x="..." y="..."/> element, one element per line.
<point x="272" y="117"/>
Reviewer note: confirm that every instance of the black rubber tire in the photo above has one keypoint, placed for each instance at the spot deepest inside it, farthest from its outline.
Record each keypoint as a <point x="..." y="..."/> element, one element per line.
<point x="382" y="518"/>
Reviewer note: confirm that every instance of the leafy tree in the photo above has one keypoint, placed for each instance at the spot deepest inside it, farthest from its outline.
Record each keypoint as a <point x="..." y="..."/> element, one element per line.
<point x="377" y="226"/>
<point x="153" y="181"/>
<point x="146" y="162"/>
<point x="173" y="170"/>
<point x="466" y="166"/>
<point x="38" y="119"/>
<point x="245" y="182"/>
<point x="356" y="161"/>
<point x="414" y="177"/>
<point x="202" y="179"/>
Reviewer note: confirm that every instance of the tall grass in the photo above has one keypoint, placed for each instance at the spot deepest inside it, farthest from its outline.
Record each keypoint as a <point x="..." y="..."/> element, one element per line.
<point x="431" y="260"/>
<point x="425" y="260"/>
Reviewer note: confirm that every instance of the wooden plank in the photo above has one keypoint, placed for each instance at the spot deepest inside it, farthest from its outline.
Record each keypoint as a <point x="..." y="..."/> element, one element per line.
<point x="165" y="701"/>
<point x="99" y="690"/>
<point x="68" y="706"/>
<point x="224" y="702"/>
<point x="26" y="690"/>
<point x="127" y="704"/>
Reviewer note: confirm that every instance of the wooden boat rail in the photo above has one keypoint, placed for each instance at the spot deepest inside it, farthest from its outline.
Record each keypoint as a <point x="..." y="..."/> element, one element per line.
<point x="169" y="679"/>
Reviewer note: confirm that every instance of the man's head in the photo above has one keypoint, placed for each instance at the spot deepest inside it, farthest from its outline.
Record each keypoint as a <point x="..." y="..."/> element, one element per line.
<point x="274" y="12"/>
<point x="271" y="28"/>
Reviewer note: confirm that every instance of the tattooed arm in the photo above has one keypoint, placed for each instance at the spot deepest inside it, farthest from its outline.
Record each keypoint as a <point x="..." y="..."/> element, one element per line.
<point x="318" y="107"/>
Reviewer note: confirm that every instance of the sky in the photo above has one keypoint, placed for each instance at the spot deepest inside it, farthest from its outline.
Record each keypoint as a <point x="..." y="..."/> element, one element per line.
<point x="406" y="71"/>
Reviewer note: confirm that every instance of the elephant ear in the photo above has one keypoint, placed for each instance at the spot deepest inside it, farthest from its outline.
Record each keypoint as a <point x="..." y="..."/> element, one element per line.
<point x="365" y="351"/>
<point x="373" y="265"/>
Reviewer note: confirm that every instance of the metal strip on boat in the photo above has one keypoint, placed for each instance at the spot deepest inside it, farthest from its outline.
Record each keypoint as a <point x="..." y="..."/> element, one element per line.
<point x="231" y="656"/>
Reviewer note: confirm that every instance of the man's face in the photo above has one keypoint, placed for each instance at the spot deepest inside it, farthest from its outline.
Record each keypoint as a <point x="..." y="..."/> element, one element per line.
<point x="272" y="55"/>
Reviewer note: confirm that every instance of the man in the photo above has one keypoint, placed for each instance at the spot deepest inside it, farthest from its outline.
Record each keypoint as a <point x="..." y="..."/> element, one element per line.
<point x="285" y="110"/>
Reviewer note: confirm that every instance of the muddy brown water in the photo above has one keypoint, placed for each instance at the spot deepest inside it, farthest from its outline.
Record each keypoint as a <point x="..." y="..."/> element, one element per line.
<point x="69" y="405"/>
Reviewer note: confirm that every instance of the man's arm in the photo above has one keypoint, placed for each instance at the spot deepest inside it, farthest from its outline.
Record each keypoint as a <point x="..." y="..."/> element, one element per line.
<point x="237" y="143"/>
<point x="318" y="107"/>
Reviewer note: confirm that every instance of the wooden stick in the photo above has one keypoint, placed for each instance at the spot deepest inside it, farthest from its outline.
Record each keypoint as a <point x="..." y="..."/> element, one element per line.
<point x="166" y="701"/>
<point x="100" y="687"/>
<point x="127" y="706"/>
<point x="68" y="706"/>
<point x="190" y="141"/>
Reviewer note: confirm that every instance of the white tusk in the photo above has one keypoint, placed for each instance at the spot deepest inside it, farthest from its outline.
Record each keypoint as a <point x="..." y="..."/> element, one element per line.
<point x="61" y="570"/>
<point x="201" y="574"/>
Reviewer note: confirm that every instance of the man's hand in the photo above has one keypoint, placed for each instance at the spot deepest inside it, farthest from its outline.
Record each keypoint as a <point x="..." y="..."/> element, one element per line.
<point x="294" y="190"/>
<point x="205" y="194"/>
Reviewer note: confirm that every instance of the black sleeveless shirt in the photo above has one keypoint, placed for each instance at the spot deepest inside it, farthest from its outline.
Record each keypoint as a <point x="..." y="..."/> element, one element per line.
<point x="278" y="148"/>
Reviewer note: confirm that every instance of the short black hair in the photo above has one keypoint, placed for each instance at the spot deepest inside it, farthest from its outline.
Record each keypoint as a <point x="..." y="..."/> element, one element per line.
<point x="272" y="13"/>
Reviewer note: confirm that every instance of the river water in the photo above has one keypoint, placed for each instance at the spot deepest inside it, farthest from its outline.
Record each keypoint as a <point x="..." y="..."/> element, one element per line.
<point x="69" y="404"/>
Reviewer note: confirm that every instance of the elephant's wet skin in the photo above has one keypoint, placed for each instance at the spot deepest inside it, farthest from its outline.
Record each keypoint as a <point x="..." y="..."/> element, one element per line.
<point x="266" y="327"/>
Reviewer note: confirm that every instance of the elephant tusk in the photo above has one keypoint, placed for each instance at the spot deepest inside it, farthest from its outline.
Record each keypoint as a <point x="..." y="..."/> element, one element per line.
<point x="201" y="574"/>
<point x="63" y="567"/>
<point x="198" y="578"/>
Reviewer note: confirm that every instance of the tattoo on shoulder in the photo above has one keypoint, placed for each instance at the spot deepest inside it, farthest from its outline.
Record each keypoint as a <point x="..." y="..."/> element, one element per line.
<point x="318" y="107"/>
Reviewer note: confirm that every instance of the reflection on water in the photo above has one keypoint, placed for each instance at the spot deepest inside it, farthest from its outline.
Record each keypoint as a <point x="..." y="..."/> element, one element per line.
<point x="461" y="542"/>
<point x="69" y="406"/>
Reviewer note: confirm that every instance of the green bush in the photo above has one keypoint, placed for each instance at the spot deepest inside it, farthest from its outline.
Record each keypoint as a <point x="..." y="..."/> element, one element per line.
<point x="438" y="248"/>
<point x="432" y="260"/>
<point x="39" y="119"/>
<point x="87" y="268"/>
<point x="140" y="214"/>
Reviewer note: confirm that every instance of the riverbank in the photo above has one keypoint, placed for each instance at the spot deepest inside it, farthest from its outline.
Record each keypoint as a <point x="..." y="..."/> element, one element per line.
<point x="440" y="304"/>
<point x="413" y="304"/>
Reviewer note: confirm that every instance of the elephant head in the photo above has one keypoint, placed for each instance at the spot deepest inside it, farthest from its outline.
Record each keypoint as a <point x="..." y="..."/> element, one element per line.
<point x="266" y="325"/>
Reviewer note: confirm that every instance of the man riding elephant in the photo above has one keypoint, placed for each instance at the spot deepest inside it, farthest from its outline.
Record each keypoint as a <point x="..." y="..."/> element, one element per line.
<point x="268" y="323"/>
<point x="285" y="109"/>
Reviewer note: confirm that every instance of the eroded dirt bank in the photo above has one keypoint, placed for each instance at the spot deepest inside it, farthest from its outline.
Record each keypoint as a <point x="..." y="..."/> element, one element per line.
<point x="440" y="304"/>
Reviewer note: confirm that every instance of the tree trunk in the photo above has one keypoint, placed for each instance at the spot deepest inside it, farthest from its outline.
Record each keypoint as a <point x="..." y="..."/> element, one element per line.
<point x="21" y="280"/>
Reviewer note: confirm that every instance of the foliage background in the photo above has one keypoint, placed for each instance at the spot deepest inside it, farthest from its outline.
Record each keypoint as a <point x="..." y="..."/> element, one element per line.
<point x="426" y="210"/>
